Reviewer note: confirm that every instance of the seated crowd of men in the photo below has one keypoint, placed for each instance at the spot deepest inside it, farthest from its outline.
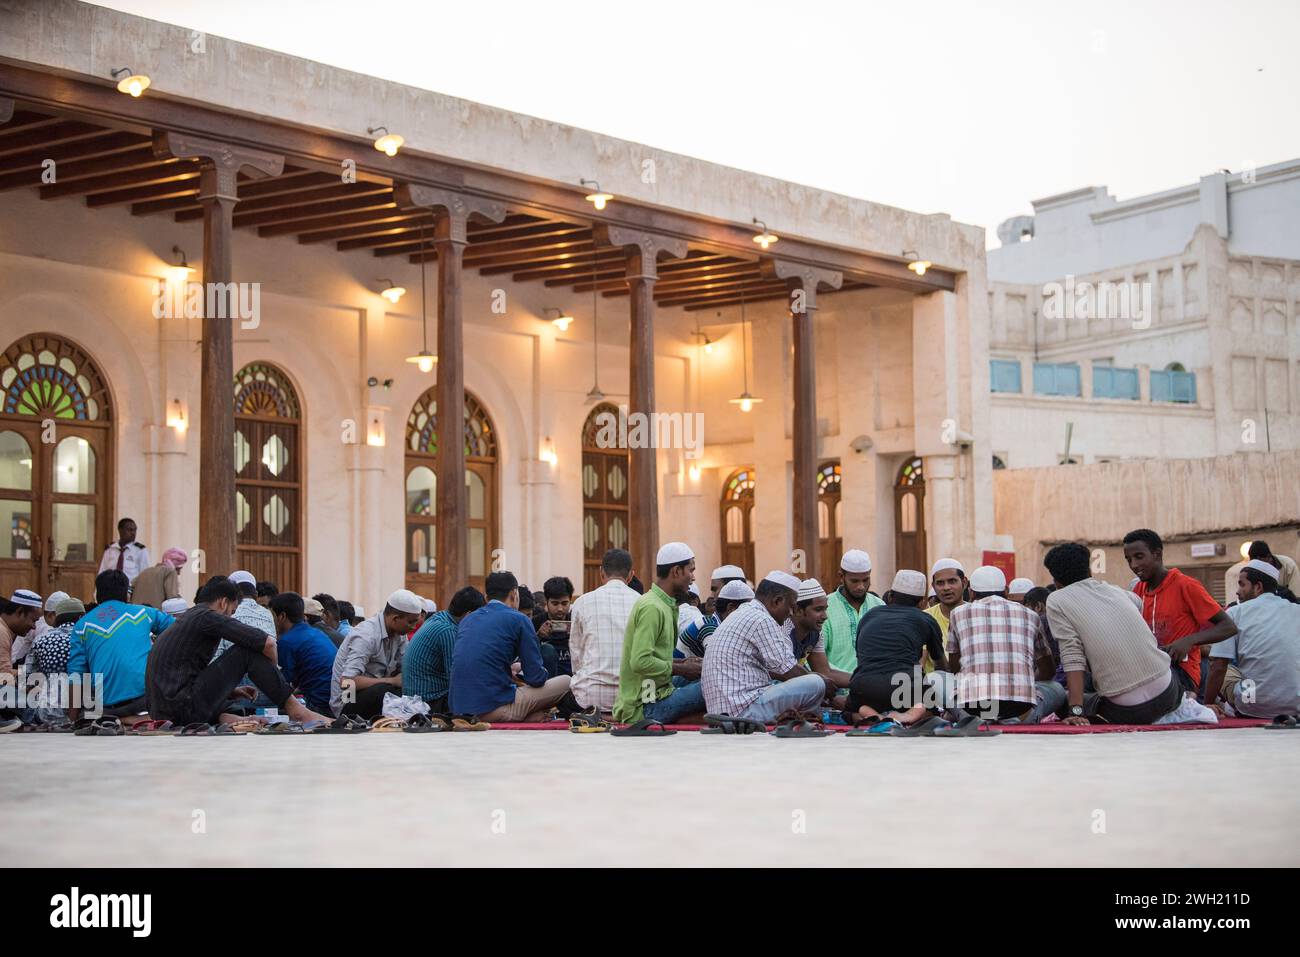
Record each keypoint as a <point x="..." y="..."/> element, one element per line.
<point x="1079" y="649"/>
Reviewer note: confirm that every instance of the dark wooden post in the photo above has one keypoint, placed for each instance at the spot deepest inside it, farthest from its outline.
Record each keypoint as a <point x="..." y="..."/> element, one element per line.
<point x="452" y="212"/>
<point x="803" y="281"/>
<point x="218" y="193"/>
<point x="643" y="250"/>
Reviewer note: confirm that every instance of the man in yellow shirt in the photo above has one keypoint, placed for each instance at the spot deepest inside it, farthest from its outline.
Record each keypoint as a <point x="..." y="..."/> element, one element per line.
<point x="949" y="581"/>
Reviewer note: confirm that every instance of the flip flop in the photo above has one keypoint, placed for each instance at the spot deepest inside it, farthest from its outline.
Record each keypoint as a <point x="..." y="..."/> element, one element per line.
<point x="801" y="728"/>
<point x="283" y="727"/>
<point x="645" y="728"/>
<point x="344" y="724"/>
<point x="104" y="728"/>
<point x="726" y="724"/>
<point x="971" y="726"/>
<point x="927" y="727"/>
<point x="875" y="729"/>
<point x="468" y="722"/>
<point x="197" y="729"/>
<point x="151" y="728"/>
<point x="244" y="726"/>
<point x="1283" y="722"/>
<point x="229" y="730"/>
<point x="425" y="724"/>
<point x="388" y="725"/>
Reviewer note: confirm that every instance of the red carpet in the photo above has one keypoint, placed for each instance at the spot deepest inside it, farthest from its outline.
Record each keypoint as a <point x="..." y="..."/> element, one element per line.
<point x="1056" y="728"/>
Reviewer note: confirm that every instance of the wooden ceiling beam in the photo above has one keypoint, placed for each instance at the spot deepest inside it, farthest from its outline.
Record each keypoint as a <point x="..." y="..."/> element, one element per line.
<point x="185" y="185"/>
<point x="273" y="224"/>
<point x="576" y="267"/>
<point x="510" y="262"/>
<point x="154" y="172"/>
<point x="45" y="135"/>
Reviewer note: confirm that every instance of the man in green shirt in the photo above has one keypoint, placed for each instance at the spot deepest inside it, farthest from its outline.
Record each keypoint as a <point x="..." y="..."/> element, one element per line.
<point x="845" y="608"/>
<point x="651" y="683"/>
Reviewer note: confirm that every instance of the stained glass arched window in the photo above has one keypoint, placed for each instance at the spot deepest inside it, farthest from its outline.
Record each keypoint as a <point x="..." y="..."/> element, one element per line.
<point x="909" y="516"/>
<point x="605" y="522"/>
<point x="56" y="488"/>
<point x="736" y="521"/>
<point x="911" y="474"/>
<point x="829" y="533"/>
<point x="50" y="378"/>
<point x="481" y="492"/>
<point x="268" y="475"/>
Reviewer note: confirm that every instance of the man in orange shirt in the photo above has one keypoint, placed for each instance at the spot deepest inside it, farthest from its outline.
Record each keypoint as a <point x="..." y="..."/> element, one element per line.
<point x="1178" y="610"/>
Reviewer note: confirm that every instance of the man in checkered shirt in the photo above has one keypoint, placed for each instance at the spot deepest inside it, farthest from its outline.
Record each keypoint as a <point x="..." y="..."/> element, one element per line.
<point x="1003" y="662"/>
<point x="751" y="648"/>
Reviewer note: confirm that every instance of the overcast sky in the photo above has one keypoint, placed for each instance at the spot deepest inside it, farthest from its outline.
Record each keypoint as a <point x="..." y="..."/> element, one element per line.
<point x="968" y="108"/>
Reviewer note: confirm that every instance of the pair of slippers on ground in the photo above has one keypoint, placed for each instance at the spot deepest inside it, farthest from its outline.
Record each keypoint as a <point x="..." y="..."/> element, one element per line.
<point x="930" y="726"/>
<point x="789" y="725"/>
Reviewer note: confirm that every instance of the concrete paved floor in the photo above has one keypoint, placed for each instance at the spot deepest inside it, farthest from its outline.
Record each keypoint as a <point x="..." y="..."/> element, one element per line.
<point x="544" y="797"/>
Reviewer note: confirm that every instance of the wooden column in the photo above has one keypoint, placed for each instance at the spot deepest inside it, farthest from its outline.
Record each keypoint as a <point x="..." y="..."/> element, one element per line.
<point x="803" y="281"/>
<point x="452" y="212"/>
<point x="643" y="251"/>
<point x="218" y="194"/>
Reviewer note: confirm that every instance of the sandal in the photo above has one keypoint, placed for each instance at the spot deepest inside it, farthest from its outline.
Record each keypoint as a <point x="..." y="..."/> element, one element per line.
<point x="645" y="728"/>
<point x="587" y="723"/>
<point x="197" y="729"/>
<point x="468" y="722"/>
<point x="726" y="724"/>
<point x="228" y="730"/>
<point x="344" y="724"/>
<point x="150" y="728"/>
<point x="925" y="728"/>
<point x="388" y="724"/>
<point x="876" y="726"/>
<point x="800" y="728"/>
<point x="103" y="727"/>
<point x="971" y="726"/>
<point x="283" y="727"/>
<point x="1283" y="722"/>
<point x="244" y="726"/>
<point x="425" y="724"/>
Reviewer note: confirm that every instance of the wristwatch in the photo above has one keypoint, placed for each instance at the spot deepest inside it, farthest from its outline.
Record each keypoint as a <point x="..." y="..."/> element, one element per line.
<point x="1076" y="711"/>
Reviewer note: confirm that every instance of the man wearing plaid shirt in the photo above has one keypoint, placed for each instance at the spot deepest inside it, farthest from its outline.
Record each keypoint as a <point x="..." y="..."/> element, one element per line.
<point x="1003" y="662"/>
<point x="751" y="648"/>
<point x="598" y="622"/>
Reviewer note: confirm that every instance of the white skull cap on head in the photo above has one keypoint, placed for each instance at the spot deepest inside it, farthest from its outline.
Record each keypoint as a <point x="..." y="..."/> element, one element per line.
<point x="909" y="582"/>
<point x="856" y="561"/>
<point x="674" y="553"/>
<point x="810" y="589"/>
<point x="1019" y="586"/>
<point x="946" y="563"/>
<point x="783" y="578"/>
<point x="406" y="601"/>
<point x="727" y="571"/>
<point x="736" y="591"/>
<point x="988" y="578"/>
<point x="1260" y="565"/>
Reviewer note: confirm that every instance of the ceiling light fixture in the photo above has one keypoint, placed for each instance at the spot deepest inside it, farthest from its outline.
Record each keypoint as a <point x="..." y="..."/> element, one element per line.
<point x="424" y="359"/>
<point x="595" y="395"/>
<point x="764" y="237"/>
<point x="389" y="143"/>
<point x="744" y="400"/>
<point x="132" y="84"/>
<point x="595" y="197"/>
<point x="392" y="293"/>
<point x="562" y="319"/>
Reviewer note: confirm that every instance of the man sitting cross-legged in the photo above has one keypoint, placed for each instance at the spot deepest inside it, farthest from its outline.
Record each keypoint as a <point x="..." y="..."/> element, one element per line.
<point x="807" y="631"/>
<point x="426" y="668"/>
<point x="368" y="664"/>
<point x="645" y="677"/>
<point x="599" y="622"/>
<point x="1256" y="673"/>
<point x="997" y="648"/>
<point x="184" y="686"/>
<point x="488" y="643"/>
<point x="891" y="642"/>
<point x="751" y="650"/>
<point x="1099" y="627"/>
<point x="306" y="654"/>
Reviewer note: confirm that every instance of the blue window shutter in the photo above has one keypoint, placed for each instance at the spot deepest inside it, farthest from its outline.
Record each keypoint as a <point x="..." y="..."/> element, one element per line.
<point x="1160" y="386"/>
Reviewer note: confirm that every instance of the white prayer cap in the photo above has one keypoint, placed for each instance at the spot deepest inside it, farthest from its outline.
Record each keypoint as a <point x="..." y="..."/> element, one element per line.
<point x="406" y="601"/>
<point x="54" y="599"/>
<point x="693" y="590"/>
<point x="430" y="606"/>
<point x="312" y="608"/>
<point x="359" y="611"/>
<point x="784" y="579"/>
<point x="727" y="571"/>
<point x="242" y="578"/>
<point x="811" y="589"/>
<point x="855" y="560"/>
<point x="909" y="582"/>
<point x="174" y="606"/>
<point x="946" y="563"/>
<point x="988" y="578"/>
<point x="30" y="599"/>
<point x="736" y="591"/>
<point x="674" y="553"/>
<point x="1019" y="586"/>
<point x="1262" y="566"/>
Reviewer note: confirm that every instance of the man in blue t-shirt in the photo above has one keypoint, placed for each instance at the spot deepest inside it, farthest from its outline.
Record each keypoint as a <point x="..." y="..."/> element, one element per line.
<point x="306" y="654"/>
<point x="114" y="641"/>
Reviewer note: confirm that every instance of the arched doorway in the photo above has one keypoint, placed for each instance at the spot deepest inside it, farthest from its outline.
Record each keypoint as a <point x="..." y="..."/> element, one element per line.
<point x="737" y="525"/>
<point x="481" y="493"/>
<point x="56" y="442"/>
<point x="604" y="495"/>
<point x="909" y="517"/>
<point x="268" y="476"/>
<point x="830" y="533"/>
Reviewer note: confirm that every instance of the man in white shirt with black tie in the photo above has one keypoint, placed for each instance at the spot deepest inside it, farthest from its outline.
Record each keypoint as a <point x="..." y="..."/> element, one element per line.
<point x="126" y="555"/>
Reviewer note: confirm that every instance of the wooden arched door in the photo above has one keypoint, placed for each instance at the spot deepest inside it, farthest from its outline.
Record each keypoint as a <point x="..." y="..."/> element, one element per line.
<point x="737" y="524"/>
<point x="830" y="533"/>
<point x="604" y="493"/>
<point x="56" y="446"/>
<point x="909" y="517"/>
<point x="481" y="495"/>
<point x="269" y="474"/>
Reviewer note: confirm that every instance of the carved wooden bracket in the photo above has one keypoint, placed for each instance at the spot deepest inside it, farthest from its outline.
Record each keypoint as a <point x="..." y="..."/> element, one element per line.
<point x="457" y="208"/>
<point x="643" y="248"/>
<point x="221" y="162"/>
<point x="801" y="278"/>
